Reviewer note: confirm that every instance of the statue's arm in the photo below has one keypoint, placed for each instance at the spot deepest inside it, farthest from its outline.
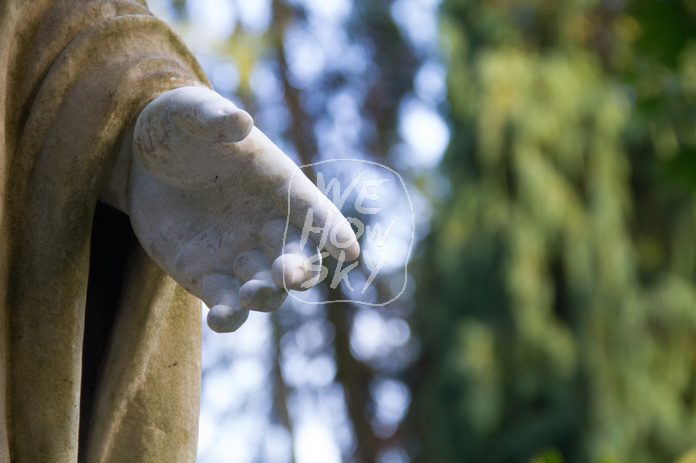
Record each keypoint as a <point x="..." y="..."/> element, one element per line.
<point x="218" y="206"/>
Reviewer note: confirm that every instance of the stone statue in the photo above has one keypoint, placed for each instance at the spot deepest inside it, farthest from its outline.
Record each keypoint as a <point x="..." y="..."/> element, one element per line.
<point x="128" y="190"/>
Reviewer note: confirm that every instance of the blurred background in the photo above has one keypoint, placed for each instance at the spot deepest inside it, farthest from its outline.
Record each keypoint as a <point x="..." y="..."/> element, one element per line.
<point x="549" y="149"/>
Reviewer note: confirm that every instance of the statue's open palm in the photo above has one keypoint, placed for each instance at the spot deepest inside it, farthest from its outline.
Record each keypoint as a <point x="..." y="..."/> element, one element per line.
<point x="208" y="199"/>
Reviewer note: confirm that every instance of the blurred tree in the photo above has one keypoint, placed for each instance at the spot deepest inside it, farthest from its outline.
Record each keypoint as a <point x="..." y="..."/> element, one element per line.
<point x="556" y="296"/>
<point x="375" y="86"/>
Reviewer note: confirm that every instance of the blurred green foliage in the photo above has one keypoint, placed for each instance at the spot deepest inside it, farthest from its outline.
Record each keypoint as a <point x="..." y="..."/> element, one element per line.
<point x="556" y="295"/>
<point x="556" y="291"/>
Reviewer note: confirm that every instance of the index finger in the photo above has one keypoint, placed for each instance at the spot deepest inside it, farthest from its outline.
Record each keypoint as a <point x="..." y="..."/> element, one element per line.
<point x="304" y="205"/>
<point x="318" y="218"/>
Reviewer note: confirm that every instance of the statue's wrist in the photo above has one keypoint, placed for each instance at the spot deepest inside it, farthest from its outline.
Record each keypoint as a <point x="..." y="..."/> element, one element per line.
<point x="114" y="190"/>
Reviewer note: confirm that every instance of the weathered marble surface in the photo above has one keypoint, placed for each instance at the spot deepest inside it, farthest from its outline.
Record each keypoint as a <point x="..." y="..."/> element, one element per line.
<point x="100" y="349"/>
<point x="207" y="197"/>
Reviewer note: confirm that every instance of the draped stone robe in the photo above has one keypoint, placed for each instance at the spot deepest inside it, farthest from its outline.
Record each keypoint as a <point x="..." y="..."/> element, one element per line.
<point x="99" y="350"/>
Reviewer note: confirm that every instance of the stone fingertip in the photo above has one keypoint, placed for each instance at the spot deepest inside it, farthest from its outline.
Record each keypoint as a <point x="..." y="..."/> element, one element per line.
<point x="226" y="319"/>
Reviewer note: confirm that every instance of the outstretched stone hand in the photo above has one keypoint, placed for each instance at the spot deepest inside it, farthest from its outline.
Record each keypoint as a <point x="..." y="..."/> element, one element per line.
<point x="208" y="196"/>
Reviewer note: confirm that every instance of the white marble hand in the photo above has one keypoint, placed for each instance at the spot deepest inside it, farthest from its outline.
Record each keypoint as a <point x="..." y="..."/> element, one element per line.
<point x="208" y="200"/>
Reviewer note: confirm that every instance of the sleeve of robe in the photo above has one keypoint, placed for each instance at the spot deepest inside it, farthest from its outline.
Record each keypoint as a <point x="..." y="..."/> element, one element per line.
<point x="73" y="76"/>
